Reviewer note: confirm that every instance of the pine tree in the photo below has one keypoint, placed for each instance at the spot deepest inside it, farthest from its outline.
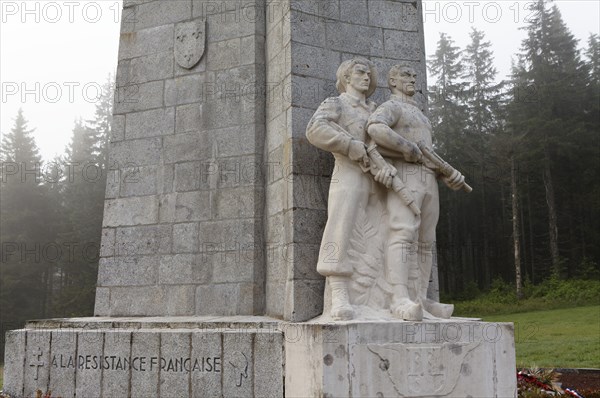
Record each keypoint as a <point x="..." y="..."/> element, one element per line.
<point x="593" y="55"/>
<point x="483" y="101"/>
<point x="83" y="197"/>
<point x="551" y="80"/>
<point x="448" y="117"/>
<point x="26" y="230"/>
<point x="447" y="110"/>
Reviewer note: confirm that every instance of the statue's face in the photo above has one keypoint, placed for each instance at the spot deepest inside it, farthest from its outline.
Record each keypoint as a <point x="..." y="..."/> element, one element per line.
<point x="360" y="78"/>
<point x="405" y="81"/>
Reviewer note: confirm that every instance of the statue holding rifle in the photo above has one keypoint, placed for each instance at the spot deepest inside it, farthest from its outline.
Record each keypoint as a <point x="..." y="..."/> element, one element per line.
<point x="390" y="145"/>
<point x="403" y="135"/>
<point x="338" y="126"/>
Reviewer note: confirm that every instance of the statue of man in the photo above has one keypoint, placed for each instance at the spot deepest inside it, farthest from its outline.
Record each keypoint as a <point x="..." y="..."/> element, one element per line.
<point x="396" y="127"/>
<point x="339" y="126"/>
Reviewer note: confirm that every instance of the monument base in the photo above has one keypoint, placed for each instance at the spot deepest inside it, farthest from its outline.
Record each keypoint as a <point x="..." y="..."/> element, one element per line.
<point x="441" y="358"/>
<point x="244" y="356"/>
<point x="236" y="356"/>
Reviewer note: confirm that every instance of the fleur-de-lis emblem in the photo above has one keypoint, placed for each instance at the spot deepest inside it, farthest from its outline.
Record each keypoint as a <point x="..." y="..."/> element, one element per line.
<point x="190" y="42"/>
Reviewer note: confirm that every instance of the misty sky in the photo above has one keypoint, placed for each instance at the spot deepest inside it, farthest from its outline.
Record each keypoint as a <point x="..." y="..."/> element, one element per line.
<point x="60" y="53"/>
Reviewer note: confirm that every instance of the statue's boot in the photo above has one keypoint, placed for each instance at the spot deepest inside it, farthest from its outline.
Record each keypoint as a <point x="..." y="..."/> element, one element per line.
<point x="341" y="310"/>
<point x="425" y="263"/>
<point x="400" y="257"/>
<point x="436" y="309"/>
<point x="403" y="307"/>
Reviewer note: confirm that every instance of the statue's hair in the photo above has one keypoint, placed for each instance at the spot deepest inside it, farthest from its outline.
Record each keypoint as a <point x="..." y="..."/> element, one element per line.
<point x="345" y="70"/>
<point x="397" y="69"/>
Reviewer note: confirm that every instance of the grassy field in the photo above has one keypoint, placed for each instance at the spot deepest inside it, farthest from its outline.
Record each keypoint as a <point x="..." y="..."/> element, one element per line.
<point x="562" y="338"/>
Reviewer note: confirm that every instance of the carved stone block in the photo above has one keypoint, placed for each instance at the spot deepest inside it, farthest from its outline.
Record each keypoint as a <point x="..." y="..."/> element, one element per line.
<point x="455" y="358"/>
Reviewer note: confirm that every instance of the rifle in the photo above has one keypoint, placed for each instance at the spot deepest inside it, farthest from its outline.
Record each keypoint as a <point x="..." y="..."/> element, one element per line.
<point x="377" y="162"/>
<point x="442" y="166"/>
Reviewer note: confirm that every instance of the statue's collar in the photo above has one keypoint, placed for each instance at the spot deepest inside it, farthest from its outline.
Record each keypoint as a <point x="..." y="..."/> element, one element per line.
<point x="355" y="101"/>
<point x="404" y="98"/>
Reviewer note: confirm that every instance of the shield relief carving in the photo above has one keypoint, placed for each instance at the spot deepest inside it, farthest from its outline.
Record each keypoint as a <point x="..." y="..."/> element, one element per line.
<point x="190" y="39"/>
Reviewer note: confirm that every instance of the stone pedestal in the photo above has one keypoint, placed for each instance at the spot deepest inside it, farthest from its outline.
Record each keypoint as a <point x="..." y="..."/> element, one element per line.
<point x="453" y="358"/>
<point x="238" y="356"/>
<point x="245" y="356"/>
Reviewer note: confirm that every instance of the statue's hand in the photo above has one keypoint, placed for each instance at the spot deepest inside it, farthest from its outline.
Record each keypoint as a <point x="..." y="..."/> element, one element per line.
<point x="455" y="181"/>
<point x="386" y="175"/>
<point x="358" y="152"/>
<point x="412" y="153"/>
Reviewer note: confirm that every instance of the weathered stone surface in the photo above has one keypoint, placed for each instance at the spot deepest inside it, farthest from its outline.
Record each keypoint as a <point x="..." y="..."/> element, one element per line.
<point x="252" y="49"/>
<point x="174" y="379"/>
<point x="188" y="118"/>
<point x="401" y="359"/>
<point x="135" y="153"/>
<point x="193" y="206"/>
<point x="238" y="141"/>
<point x="150" y="123"/>
<point x="192" y="176"/>
<point x="308" y="29"/>
<point x="159" y="13"/>
<point x="398" y="15"/>
<point x="268" y="369"/>
<point x="102" y="303"/>
<point x="146" y="42"/>
<point x="227" y="234"/>
<point x="326" y="8"/>
<point x="37" y="360"/>
<point x="136" y="301"/>
<point x="227" y="25"/>
<point x="117" y="130"/>
<point x="238" y="353"/>
<point x="206" y="344"/>
<point x="116" y="379"/>
<point x="144" y="377"/>
<point x="220" y="298"/>
<point x="233" y="264"/>
<point x="403" y="45"/>
<point x="144" y="240"/>
<point x="185" y="238"/>
<point x="314" y="61"/>
<point x="152" y="67"/>
<point x="134" y="97"/>
<point x="303" y="299"/>
<point x="185" y="90"/>
<point x="179" y="269"/>
<point x="238" y="202"/>
<point x="179" y="299"/>
<point x="63" y="362"/>
<point x="254" y="356"/>
<point x="139" y="181"/>
<point x="162" y="357"/>
<point x="128" y="271"/>
<point x="186" y="147"/>
<point x="365" y="40"/>
<point x="14" y="362"/>
<point x="223" y="55"/>
<point x="89" y="380"/>
<point x="354" y="11"/>
<point x="107" y="242"/>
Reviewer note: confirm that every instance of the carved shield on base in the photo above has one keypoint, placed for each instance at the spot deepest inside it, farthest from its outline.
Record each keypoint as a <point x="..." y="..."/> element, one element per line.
<point x="190" y="39"/>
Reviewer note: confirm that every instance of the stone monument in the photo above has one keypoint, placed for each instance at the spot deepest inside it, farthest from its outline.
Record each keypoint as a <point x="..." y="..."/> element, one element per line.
<point x="214" y="219"/>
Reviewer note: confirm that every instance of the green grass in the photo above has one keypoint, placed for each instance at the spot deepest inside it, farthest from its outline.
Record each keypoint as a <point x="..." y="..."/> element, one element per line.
<point x="560" y="338"/>
<point x="501" y="299"/>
